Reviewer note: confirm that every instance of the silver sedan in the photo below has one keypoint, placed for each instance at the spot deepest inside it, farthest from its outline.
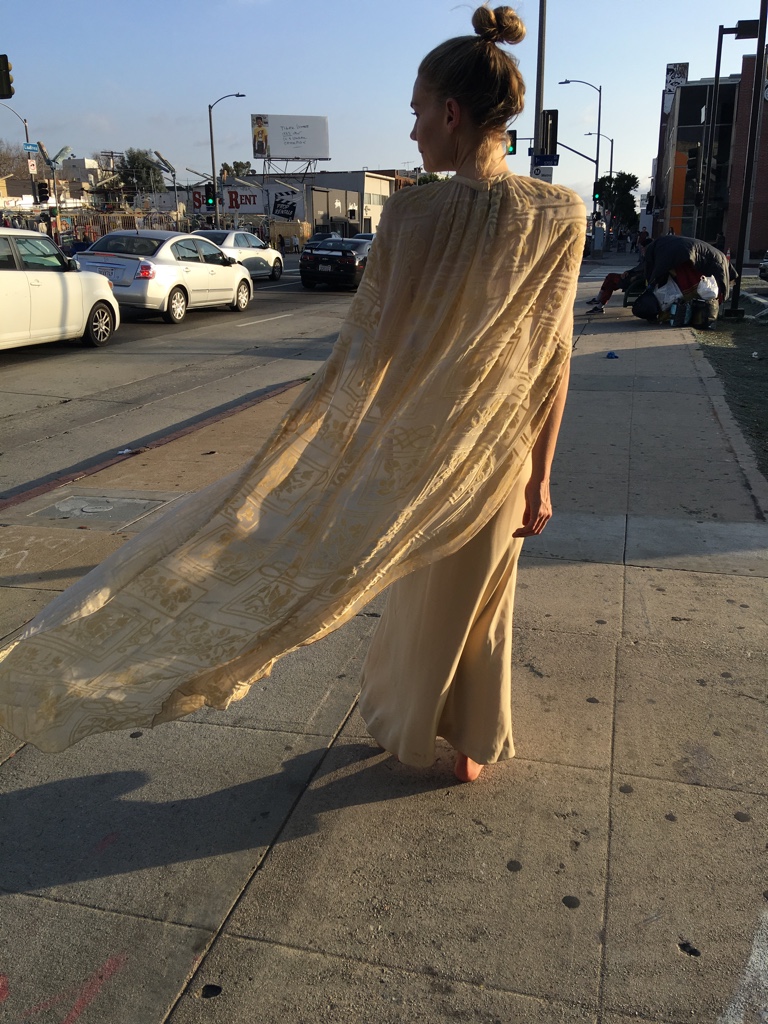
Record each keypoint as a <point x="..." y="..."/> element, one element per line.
<point x="167" y="272"/>
<point x="255" y="255"/>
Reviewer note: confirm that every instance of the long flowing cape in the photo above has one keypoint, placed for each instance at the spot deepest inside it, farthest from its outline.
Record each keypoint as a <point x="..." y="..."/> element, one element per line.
<point x="398" y="451"/>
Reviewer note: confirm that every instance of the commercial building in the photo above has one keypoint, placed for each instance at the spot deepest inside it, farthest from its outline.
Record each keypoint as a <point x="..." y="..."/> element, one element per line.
<point x="680" y="171"/>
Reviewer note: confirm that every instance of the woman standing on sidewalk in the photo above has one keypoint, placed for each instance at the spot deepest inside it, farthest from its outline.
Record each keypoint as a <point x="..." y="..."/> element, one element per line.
<point x="422" y="449"/>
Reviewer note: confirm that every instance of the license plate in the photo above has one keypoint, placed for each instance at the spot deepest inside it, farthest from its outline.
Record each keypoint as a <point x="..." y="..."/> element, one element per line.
<point x="325" y="266"/>
<point x="106" y="271"/>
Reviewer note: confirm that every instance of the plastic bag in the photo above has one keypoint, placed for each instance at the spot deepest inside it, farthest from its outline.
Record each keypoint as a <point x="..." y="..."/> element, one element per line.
<point x="667" y="293"/>
<point x="707" y="287"/>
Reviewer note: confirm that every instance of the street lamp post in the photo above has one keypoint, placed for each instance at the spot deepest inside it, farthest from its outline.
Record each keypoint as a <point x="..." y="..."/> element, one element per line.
<point x="742" y="30"/>
<point x="26" y="136"/>
<point x="758" y="87"/>
<point x="240" y="95"/>
<point x="610" y="172"/>
<point x="599" y="90"/>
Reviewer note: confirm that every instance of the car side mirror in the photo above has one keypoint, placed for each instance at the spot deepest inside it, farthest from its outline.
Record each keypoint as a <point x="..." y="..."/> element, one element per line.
<point x="230" y="261"/>
<point x="72" y="263"/>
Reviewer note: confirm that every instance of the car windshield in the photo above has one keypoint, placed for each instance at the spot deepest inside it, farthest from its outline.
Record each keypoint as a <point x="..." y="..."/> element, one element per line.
<point x="339" y="244"/>
<point x="214" y="236"/>
<point x="132" y="245"/>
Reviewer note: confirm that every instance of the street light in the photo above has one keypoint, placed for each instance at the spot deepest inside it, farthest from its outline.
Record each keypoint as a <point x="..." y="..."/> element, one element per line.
<point x="742" y="30"/>
<point x="168" y="168"/>
<point x="26" y="136"/>
<point x="610" y="172"/>
<point x="599" y="90"/>
<point x="239" y="95"/>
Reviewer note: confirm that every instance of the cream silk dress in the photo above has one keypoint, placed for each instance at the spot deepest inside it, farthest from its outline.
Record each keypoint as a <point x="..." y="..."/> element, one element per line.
<point x="403" y="447"/>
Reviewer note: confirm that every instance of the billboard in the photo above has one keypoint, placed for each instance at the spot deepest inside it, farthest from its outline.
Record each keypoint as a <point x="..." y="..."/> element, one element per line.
<point x="289" y="137"/>
<point x="269" y="200"/>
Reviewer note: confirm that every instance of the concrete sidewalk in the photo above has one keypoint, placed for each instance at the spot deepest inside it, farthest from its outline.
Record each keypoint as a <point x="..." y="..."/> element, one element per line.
<point x="271" y="864"/>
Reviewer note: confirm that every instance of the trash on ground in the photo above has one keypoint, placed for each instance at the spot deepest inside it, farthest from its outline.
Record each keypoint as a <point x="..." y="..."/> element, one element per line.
<point x="612" y="355"/>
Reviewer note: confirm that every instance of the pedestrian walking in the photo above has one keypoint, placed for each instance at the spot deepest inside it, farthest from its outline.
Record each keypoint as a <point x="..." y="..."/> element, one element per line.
<point x="418" y="458"/>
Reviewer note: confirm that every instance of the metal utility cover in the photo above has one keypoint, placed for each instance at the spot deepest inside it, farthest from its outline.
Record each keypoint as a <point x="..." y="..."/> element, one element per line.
<point x="99" y="508"/>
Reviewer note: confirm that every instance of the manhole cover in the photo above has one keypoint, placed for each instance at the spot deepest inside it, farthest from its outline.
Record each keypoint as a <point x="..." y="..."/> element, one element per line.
<point x="106" y="509"/>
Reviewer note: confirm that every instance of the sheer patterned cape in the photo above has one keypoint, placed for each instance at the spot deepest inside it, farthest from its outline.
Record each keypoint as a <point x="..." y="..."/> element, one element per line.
<point x="399" y="450"/>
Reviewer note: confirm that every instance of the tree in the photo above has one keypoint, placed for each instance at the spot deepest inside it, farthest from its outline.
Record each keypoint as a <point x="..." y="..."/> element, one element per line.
<point x="237" y="169"/>
<point x="616" y="195"/>
<point x="13" y="160"/>
<point x="139" y="172"/>
<point x="424" y="179"/>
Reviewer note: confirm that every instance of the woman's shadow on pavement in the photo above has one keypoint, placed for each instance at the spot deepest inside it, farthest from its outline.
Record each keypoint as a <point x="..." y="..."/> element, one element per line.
<point x="81" y="828"/>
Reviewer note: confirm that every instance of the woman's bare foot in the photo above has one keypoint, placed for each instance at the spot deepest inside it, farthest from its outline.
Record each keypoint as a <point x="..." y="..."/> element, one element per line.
<point x="465" y="769"/>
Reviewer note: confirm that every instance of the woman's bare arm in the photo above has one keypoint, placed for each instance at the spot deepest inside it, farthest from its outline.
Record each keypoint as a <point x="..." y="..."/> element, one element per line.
<point x="538" y="504"/>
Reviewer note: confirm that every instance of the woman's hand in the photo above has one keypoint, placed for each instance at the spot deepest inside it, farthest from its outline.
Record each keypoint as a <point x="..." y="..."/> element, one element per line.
<point x="538" y="508"/>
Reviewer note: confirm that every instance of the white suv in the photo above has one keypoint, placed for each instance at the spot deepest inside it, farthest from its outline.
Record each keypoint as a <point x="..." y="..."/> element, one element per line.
<point x="46" y="297"/>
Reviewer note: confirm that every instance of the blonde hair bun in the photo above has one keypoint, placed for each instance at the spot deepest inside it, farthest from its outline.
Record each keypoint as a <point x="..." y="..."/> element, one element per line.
<point x="498" y="25"/>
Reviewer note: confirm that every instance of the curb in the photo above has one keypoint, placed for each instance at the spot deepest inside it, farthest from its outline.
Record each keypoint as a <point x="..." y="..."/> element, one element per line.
<point x="755" y="481"/>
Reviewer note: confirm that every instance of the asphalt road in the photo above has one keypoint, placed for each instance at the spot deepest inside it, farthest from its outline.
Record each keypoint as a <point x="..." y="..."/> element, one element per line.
<point x="65" y="408"/>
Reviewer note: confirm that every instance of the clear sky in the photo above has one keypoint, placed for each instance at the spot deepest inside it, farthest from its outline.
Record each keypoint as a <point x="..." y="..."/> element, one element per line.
<point x="141" y="74"/>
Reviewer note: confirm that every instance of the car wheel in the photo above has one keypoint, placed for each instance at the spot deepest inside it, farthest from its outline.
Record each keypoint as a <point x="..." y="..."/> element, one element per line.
<point x="176" y="309"/>
<point x="308" y="284"/>
<point x="242" y="297"/>
<point x="277" y="271"/>
<point x="100" y="326"/>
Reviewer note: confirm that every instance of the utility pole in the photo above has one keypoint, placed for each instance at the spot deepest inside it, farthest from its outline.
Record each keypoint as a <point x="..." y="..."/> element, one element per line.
<point x="539" y="102"/>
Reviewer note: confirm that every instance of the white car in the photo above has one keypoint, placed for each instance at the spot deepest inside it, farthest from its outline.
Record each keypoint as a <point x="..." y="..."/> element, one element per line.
<point x="168" y="272"/>
<point x="256" y="256"/>
<point x="45" y="297"/>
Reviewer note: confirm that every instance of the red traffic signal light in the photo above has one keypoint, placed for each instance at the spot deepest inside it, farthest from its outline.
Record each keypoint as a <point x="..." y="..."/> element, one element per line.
<point x="6" y="78"/>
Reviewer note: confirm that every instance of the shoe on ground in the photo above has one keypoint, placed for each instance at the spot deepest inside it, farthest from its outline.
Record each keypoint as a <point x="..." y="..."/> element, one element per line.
<point x="595" y="309"/>
<point x="594" y="302"/>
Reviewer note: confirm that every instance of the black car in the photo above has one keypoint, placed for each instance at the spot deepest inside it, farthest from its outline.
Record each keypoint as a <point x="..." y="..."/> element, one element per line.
<point x="339" y="261"/>
<point x="319" y="238"/>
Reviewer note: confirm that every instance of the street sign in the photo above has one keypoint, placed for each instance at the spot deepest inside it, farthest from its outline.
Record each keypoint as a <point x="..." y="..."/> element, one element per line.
<point x="542" y="173"/>
<point x="32" y="164"/>
<point x="546" y="159"/>
<point x="31" y="147"/>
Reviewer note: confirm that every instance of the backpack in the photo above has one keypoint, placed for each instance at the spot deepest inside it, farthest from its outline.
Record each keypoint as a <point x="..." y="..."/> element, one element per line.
<point x="646" y="306"/>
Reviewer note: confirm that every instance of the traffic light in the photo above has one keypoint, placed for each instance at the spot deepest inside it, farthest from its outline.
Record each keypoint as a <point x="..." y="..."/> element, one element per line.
<point x="43" y="195"/>
<point x="6" y="78"/>
<point x="511" y="143"/>
<point x="692" y="166"/>
<point x="549" y="132"/>
<point x="596" y="192"/>
<point x="210" y="199"/>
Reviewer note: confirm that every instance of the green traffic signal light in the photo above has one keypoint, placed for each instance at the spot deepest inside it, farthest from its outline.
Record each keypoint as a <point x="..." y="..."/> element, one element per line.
<point x="511" y="143"/>
<point x="210" y="199"/>
<point x="596" y="193"/>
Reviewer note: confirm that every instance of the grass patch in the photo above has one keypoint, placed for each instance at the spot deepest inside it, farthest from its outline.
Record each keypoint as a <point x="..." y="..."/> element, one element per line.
<point x="738" y="352"/>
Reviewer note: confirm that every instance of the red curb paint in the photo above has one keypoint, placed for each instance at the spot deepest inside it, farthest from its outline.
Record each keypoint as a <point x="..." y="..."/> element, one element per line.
<point x="4" y="991"/>
<point x="62" y="481"/>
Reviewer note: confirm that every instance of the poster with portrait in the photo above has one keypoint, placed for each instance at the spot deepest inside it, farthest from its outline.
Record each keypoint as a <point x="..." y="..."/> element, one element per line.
<point x="260" y="133"/>
<point x="289" y="137"/>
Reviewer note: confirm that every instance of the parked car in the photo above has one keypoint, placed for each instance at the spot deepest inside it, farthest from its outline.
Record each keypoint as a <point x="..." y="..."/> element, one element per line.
<point x="365" y="234"/>
<point x="762" y="270"/>
<point x="256" y="256"/>
<point x="338" y="261"/>
<point x="318" y="238"/>
<point x="45" y="297"/>
<point x="168" y="272"/>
